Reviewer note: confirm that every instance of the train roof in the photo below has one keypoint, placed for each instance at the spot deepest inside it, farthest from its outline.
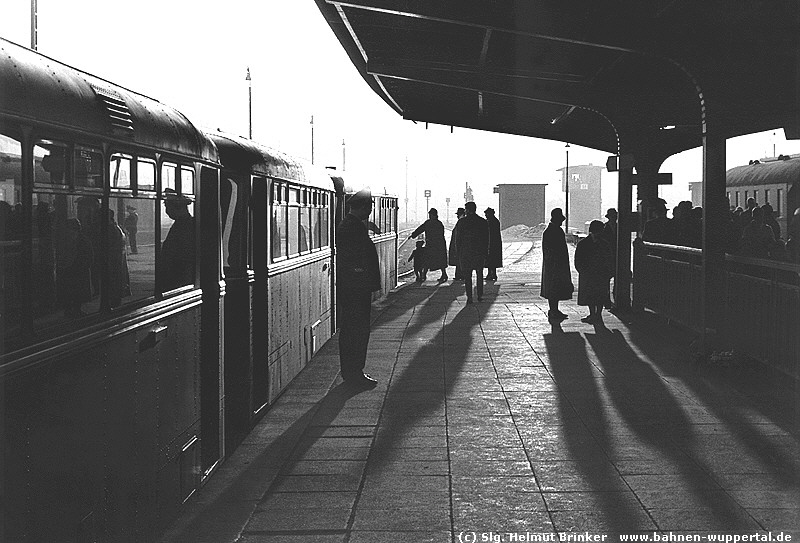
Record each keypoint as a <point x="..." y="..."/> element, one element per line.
<point x="349" y="183"/>
<point x="764" y="173"/>
<point x="45" y="92"/>
<point x="239" y="153"/>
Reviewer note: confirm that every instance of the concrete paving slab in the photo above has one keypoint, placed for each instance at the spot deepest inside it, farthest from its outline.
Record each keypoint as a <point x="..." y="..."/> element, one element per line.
<point x="487" y="418"/>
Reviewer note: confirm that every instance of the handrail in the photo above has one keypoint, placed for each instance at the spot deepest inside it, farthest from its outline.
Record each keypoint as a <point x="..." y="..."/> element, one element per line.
<point x="764" y="263"/>
<point x="675" y="248"/>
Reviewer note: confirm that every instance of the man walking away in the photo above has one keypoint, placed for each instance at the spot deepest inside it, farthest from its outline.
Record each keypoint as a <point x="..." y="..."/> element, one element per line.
<point x="495" y="258"/>
<point x="473" y="245"/>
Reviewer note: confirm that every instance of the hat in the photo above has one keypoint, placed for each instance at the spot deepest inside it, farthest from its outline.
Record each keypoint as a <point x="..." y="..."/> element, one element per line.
<point x="130" y="208"/>
<point x="460" y="211"/>
<point x="489" y="210"/>
<point x="557" y="213"/>
<point x="172" y="197"/>
<point x="361" y="197"/>
<point x="611" y="212"/>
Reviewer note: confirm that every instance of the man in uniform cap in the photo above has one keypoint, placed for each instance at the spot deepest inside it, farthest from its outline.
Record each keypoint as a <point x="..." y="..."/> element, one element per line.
<point x="178" y="249"/>
<point x="357" y="277"/>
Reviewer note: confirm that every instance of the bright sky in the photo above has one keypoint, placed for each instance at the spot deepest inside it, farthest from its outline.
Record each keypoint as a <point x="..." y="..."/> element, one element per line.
<point x="193" y="55"/>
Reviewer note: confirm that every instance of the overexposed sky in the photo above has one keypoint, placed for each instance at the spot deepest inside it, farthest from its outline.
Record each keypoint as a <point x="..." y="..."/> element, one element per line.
<point x="193" y="55"/>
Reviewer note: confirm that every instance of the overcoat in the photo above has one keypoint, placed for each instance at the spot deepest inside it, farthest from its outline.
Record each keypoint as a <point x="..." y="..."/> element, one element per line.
<point x="473" y="241"/>
<point x="594" y="264"/>
<point x="435" y="244"/>
<point x="556" y="275"/>
<point x="495" y="258"/>
<point x="452" y="250"/>
<point x="357" y="269"/>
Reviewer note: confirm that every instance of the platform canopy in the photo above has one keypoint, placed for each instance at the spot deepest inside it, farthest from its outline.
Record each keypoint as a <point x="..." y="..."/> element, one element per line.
<point x="636" y="76"/>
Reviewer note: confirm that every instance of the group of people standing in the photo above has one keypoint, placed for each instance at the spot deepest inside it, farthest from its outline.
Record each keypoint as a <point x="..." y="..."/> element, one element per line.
<point x="475" y="244"/>
<point x="594" y="262"/>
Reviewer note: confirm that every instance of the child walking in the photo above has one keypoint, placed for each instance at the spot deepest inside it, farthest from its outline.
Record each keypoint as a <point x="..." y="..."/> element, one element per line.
<point x="418" y="256"/>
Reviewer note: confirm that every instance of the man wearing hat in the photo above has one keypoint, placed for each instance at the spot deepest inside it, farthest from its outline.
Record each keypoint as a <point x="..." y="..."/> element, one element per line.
<point x="495" y="258"/>
<point x="357" y="277"/>
<point x="131" y="226"/>
<point x="178" y="249"/>
<point x="556" y="275"/>
<point x="452" y="253"/>
<point x="659" y="229"/>
<point x="473" y="244"/>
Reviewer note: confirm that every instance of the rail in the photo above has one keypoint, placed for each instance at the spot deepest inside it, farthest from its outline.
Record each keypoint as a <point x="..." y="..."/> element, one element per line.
<point x="761" y="313"/>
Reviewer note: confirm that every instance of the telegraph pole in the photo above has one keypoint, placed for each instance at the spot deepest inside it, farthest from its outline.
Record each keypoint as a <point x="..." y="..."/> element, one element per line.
<point x="566" y="198"/>
<point x="249" y="103"/>
<point x="34" y="25"/>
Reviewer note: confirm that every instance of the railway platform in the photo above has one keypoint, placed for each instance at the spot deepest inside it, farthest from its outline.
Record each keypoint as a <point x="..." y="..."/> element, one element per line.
<point x="491" y="424"/>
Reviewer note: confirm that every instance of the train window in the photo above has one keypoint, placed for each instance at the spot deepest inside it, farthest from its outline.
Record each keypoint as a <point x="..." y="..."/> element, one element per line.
<point x="745" y="197"/>
<point x="88" y="166"/>
<point x="51" y="163"/>
<point x="316" y="241"/>
<point x="779" y="203"/>
<point x="324" y="223"/>
<point x="766" y="196"/>
<point x="168" y="176"/>
<point x="737" y="198"/>
<point x="11" y="235"/>
<point x="278" y="238"/>
<point x="176" y="262"/>
<point x="145" y="174"/>
<point x="293" y="233"/>
<point x="132" y="256"/>
<point x="755" y="196"/>
<point x="67" y="261"/>
<point x="120" y="170"/>
<point x="306" y="237"/>
<point x="187" y="181"/>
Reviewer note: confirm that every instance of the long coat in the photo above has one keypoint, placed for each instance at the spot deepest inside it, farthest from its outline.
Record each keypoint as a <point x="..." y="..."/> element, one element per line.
<point x="556" y="275"/>
<point x="473" y="241"/>
<point x="495" y="258"/>
<point x="435" y="245"/>
<point x="357" y="269"/>
<point x="452" y="250"/>
<point x="594" y="264"/>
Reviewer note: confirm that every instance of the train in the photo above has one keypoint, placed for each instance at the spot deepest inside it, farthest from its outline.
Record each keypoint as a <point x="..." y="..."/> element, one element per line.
<point x="161" y="286"/>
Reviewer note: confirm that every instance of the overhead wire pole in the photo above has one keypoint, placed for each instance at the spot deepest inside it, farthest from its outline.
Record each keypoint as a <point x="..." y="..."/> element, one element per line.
<point x="249" y="103"/>
<point x="566" y="193"/>
<point x="34" y="25"/>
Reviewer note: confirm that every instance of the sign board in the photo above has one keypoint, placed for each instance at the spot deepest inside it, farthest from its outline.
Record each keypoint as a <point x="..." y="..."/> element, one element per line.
<point x="619" y="162"/>
<point x="427" y="194"/>
<point x="651" y="179"/>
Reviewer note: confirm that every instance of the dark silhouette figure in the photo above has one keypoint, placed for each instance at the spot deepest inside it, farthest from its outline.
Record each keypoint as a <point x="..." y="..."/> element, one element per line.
<point x="556" y="276"/>
<point x="610" y="235"/>
<point x="74" y="261"/>
<point x="594" y="265"/>
<point x="758" y="240"/>
<point x="435" y="244"/>
<point x="452" y="250"/>
<point x="357" y="277"/>
<point x="131" y="227"/>
<point x="418" y="256"/>
<point x="769" y="220"/>
<point x="178" y="249"/>
<point x="473" y="246"/>
<point x="119" y="281"/>
<point x="495" y="258"/>
<point x="659" y="229"/>
<point x="793" y="238"/>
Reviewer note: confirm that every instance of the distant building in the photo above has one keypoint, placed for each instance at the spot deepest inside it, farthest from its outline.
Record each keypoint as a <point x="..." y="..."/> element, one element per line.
<point x="520" y="203"/>
<point x="584" y="195"/>
<point x="696" y="190"/>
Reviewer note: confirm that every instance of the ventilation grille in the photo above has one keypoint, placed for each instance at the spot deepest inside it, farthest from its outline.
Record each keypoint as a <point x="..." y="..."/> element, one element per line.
<point x="118" y="113"/>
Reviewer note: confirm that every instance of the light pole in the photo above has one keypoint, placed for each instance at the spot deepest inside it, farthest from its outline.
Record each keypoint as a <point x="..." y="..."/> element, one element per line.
<point x="447" y="210"/>
<point x="34" y="25"/>
<point x="249" y="103"/>
<point x="427" y="200"/>
<point x="343" y="158"/>
<point x="406" y="189"/>
<point x="312" y="139"/>
<point x="566" y="198"/>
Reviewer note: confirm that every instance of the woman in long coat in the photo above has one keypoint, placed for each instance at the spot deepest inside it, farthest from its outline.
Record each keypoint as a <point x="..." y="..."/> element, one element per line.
<point x="556" y="275"/>
<point x="594" y="264"/>
<point x="495" y="258"/>
<point x="452" y="250"/>
<point x="435" y="244"/>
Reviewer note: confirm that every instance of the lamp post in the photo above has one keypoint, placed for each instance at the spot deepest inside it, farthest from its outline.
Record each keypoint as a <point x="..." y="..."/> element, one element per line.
<point x="566" y="191"/>
<point x="312" y="139"/>
<point x="249" y="103"/>
<point x="406" y="189"/>
<point x="343" y="157"/>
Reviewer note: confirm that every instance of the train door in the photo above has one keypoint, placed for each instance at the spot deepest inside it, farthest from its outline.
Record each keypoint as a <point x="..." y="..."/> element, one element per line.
<point x="260" y="221"/>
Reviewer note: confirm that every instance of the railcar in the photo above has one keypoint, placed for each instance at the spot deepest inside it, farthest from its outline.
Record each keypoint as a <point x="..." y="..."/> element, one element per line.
<point x="278" y="258"/>
<point x="110" y="365"/>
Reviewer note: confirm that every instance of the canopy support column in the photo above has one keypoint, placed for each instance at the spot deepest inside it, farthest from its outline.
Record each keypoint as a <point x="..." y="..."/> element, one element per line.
<point x="622" y="273"/>
<point x="715" y="210"/>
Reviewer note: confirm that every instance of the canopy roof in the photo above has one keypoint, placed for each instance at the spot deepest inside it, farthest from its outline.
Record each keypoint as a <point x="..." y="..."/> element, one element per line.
<point x="606" y="75"/>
